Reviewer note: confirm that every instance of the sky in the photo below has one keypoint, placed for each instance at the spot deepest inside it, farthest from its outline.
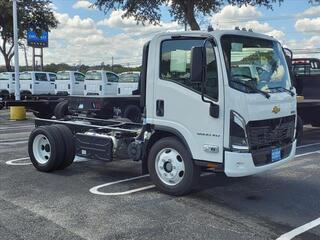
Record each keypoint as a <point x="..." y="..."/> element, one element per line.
<point x="86" y="35"/>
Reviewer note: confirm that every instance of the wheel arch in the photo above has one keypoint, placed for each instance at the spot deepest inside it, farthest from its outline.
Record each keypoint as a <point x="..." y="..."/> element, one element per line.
<point x="159" y="133"/>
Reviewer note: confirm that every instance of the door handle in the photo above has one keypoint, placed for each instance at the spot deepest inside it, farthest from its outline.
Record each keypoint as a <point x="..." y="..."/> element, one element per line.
<point x="160" y="108"/>
<point x="108" y="83"/>
<point x="36" y="83"/>
<point x="76" y="83"/>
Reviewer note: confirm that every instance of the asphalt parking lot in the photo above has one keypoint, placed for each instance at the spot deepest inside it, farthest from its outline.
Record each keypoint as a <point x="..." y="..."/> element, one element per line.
<point x="69" y="204"/>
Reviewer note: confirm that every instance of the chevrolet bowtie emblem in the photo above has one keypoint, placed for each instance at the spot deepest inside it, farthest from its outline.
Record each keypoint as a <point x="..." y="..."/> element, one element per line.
<point x="275" y="109"/>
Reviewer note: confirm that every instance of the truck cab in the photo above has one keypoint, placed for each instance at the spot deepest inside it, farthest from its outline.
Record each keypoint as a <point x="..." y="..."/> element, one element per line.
<point x="37" y="83"/>
<point x="7" y="85"/>
<point x="307" y="76"/>
<point x="69" y="83"/>
<point x="128" y="82"/>
<point x="102" y="83"/>
<point x="198" y="113"/>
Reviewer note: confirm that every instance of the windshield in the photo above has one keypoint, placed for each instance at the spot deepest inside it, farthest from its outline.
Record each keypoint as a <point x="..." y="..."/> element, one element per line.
<point x="63" y="76"/>
<point x="4" y="76"/>
<point x="93" y="76"/>
<point x="25" y="76"/>
<point x="256" y="62"/>
<point x="129" y="77"/>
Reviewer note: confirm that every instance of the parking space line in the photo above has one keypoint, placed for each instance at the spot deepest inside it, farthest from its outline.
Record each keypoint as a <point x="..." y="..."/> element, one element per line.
<point x="12" y="143"/>
<point x="95" y="190"/>
<point x="297" y="231"/>
<point x="308" y="145"/>
<point x="12" y="139"/>
<point x="15" y="162"/>
<point x="16" y="127"/>
<point x="307" y="153"/>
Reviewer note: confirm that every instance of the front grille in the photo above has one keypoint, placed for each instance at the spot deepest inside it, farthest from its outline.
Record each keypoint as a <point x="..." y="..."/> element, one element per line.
<point x="271" y="133"/>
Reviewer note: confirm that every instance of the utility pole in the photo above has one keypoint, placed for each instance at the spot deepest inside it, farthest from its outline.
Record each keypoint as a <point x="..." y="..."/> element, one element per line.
<point x="16" y="49"/>
<point x="112" y="64"/>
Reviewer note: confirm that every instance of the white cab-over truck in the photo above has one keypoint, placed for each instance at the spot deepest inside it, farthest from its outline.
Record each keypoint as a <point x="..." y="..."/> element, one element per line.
<point x="197" y="115"/>
<point x="69" y="83"/>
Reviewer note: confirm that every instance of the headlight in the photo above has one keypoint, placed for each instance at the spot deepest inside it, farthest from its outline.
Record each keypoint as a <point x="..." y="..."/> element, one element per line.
<point x="238" y="136"/>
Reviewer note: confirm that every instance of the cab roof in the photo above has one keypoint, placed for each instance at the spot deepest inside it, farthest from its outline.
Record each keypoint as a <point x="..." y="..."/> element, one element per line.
<point x="216" y="34"/>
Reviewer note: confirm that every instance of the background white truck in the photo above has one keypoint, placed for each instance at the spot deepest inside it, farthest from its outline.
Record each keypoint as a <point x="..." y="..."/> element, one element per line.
<point x="128" y="82"/>
<point x="37" y="83"/>
<point x="102" y="83"/>
<point x="69" y="83"/>
<point x="7" y="85"/>
<point x="197" y="115"/>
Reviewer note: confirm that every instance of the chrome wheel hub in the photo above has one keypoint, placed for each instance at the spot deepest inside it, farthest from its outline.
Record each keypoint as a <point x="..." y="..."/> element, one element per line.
<point x="41" y="149"/>
<point x="170" y="166"/>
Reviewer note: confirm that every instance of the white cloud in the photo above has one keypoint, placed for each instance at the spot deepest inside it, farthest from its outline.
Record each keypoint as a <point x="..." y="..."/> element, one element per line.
<point x="80" y="40"/>
<point x="130" y="26"/>
<point x="308" y="25"/>
<point x="312" y="11"/>
<point x="53" y="6"/>
<point x="230" y="16"/>
<point x="83" y="4"/>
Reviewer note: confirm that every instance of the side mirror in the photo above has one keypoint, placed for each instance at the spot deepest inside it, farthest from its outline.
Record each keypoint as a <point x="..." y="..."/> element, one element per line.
<point x="196" y="66"/>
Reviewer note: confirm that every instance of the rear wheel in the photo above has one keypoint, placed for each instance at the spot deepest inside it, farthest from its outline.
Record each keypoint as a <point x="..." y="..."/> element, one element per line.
<point x="61" y="110"/>
<point x="46" y="149"/>
<point x="171" y="167"/>
<point x="43" y="114"/>
<point x="133" y="113"/>
<point x="68" y="140"/>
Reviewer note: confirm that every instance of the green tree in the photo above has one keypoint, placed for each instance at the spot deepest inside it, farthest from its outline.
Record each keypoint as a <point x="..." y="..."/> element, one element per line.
<point x="33" y="14"/>
<point x="181" y="10"/>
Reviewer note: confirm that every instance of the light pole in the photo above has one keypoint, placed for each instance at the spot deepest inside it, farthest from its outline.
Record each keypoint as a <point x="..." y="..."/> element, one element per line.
<point x="16" y="49"/>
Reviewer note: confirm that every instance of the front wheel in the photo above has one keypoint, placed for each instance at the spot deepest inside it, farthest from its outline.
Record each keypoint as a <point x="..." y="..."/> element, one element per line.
<point x="171" y="167"/>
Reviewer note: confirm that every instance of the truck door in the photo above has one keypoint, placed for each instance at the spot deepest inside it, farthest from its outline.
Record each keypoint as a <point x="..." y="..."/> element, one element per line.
<point x="78" y="83"/>
<point x="41" y="84"/>
<point x="112" y="84"/>
<point x="177" y="103"/>
<point x="52" y="81"/>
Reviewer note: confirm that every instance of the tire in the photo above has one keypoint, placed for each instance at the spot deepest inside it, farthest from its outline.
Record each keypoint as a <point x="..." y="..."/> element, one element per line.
<point x="61" y="110"/>
<point x="43" y="114"/>
<point x="133" y="113"/>
<point x="299" y="130"/>
<point x="39" y="138"/>
<point x="1" y="105"/>
<point x="68" y="140"/>
<point x="182" y="179"/>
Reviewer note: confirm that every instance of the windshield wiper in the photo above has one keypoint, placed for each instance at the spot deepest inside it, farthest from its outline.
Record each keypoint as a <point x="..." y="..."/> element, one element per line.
<point x="285" y="90"/>
<point x="267" y="95"/>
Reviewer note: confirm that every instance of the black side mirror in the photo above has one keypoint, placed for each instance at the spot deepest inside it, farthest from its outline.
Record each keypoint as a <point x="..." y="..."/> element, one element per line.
<point x="196" y="66"/>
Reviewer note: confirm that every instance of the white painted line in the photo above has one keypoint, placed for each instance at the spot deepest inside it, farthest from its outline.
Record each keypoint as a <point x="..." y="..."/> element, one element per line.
<point x="308" y="145"/>
<point x="17" y="127"/>
<point x="12" y="143"/>
<point x="12" y="139"/>
<point x="95" y="190"/>
<point x="17" y="162"/>
<point x="307" y="153"/>
<point x="297" y="231"/>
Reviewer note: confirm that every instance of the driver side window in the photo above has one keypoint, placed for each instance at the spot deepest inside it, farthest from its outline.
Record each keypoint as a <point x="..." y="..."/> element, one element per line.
<point x="175" y="65"/>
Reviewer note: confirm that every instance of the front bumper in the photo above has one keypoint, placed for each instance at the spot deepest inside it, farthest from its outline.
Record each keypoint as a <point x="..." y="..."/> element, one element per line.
<point x="241" y="164"/>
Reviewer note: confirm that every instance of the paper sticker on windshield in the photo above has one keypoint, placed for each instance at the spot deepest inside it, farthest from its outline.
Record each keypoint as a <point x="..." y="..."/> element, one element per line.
<point x="178" y="61"/>
<point x="236" y="47"/>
